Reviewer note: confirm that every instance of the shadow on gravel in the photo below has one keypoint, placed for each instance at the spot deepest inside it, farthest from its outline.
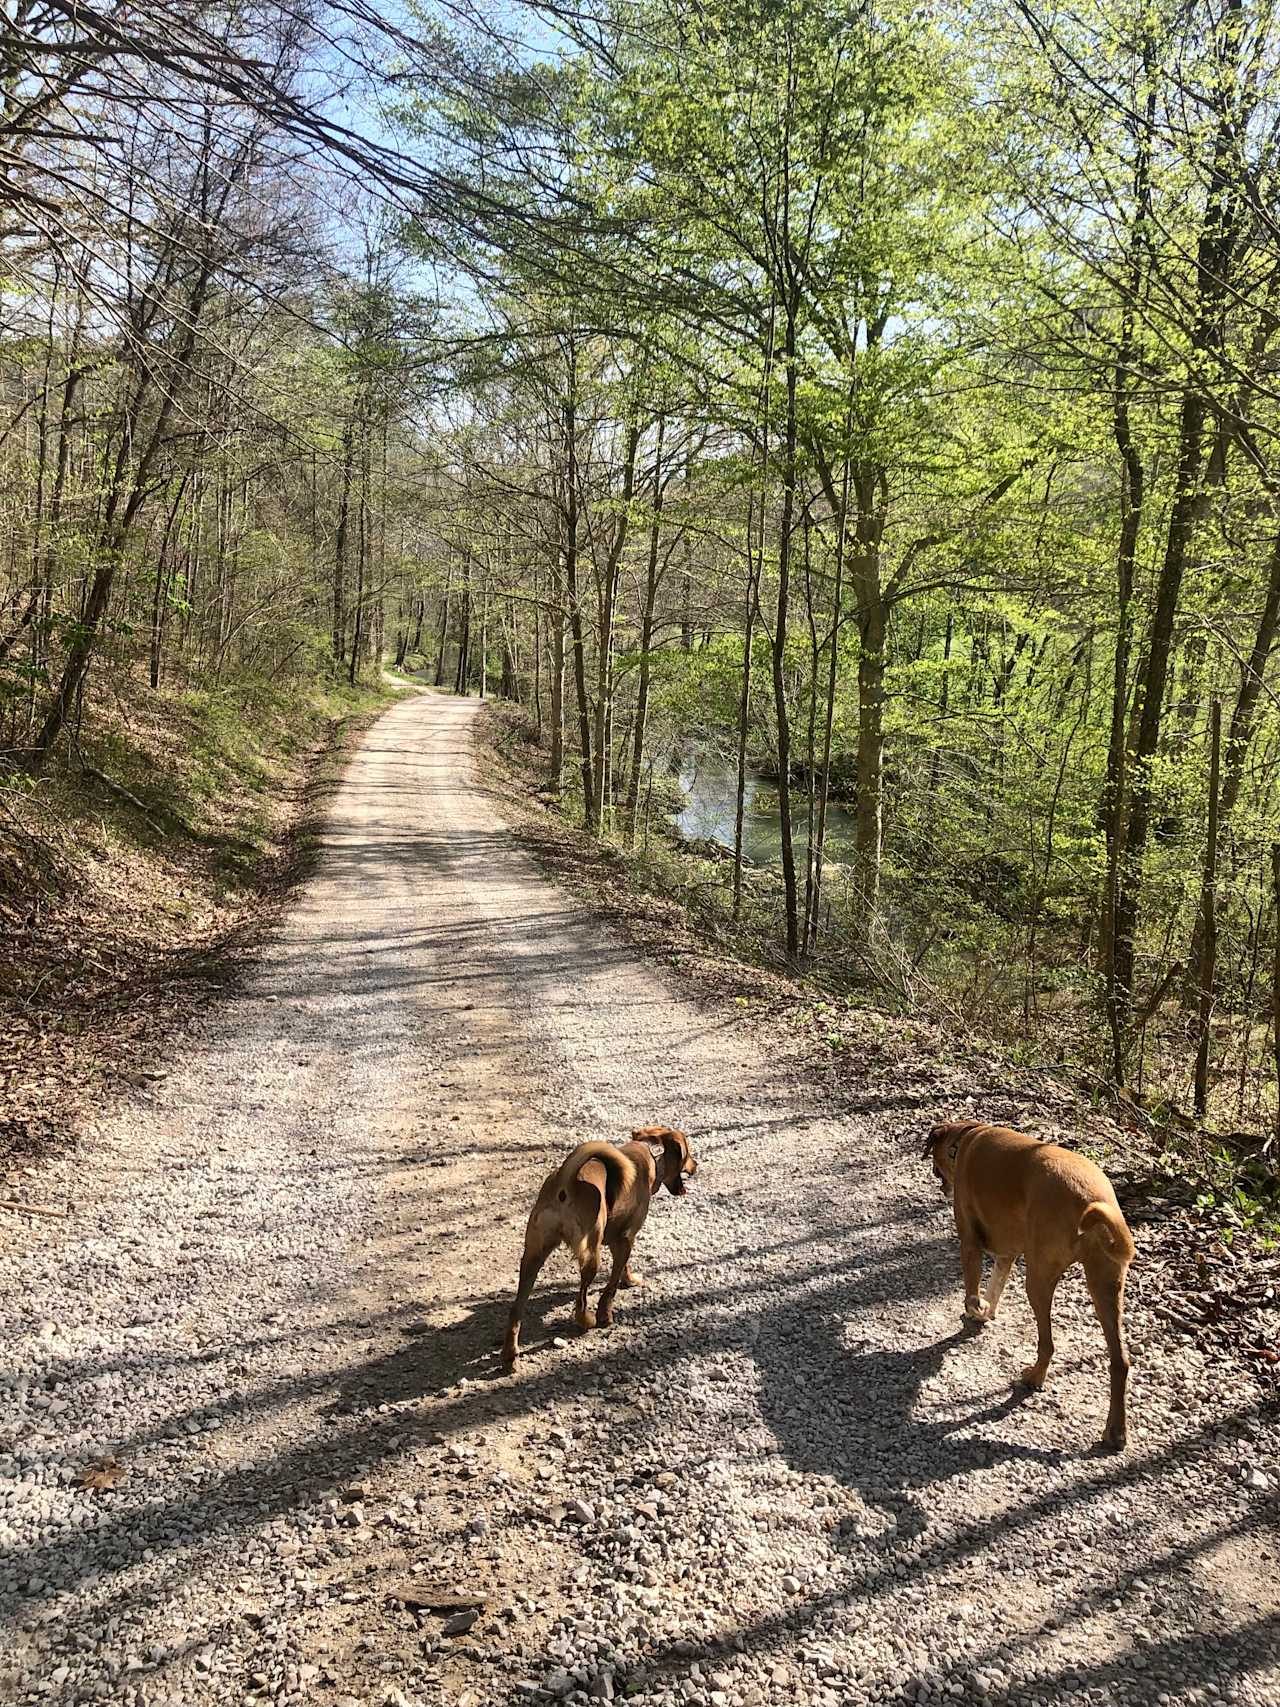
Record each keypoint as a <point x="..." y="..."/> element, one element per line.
<point x="791" y="1311"/>
<point x="867" y="1432"/>
<point x="354" y="1434"/>
<point x="1210" y="1657"/>
<point x="1188" y="1659"/>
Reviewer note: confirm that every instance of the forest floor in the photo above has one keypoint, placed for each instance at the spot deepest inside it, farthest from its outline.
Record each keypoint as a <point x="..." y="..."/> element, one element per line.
<point x="256" y="1445"/>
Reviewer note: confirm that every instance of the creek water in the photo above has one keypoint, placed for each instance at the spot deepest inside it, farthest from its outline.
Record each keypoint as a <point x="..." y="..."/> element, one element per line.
<point x="709" y="782"/>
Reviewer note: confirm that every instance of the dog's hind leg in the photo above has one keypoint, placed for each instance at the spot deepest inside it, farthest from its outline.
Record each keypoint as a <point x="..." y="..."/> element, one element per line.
<point x="1042" y="1283"/>
<point x="589" y="1196"/>
<point x="975" y="1306"/>
<point x="1106" y="1288"/>
<point x="620" y="1255"/>
<point x="539" y="1242"/>
<point x="996" y="1284"/>
<point x="588" y="1254"/>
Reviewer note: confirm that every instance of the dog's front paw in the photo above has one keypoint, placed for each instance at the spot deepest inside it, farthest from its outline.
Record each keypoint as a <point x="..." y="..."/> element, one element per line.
<point x="631" y="1278"/>
<point x="976" y="1310"/>
<point x="604" y="1316"/>
<point x="586" y="1320"/>
<point x="1032" y="1376"/>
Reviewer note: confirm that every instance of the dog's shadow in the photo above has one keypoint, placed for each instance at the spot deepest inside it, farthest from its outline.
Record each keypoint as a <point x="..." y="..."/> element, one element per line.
<point x="867" y="1431"/>
<point x="464" y="1345"/>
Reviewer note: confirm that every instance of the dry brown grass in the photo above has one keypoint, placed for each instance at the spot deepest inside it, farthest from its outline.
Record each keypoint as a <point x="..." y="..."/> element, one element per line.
<point x="119" y="918"/>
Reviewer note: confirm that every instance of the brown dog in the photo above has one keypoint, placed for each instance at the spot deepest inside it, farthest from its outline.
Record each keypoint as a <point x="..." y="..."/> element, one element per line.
<point x="1014" y="1196"/>
<point x="598" y="1196"/>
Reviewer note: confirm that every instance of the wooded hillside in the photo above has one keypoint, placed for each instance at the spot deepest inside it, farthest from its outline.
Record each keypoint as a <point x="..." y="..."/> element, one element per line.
<point x="882" y="399"/>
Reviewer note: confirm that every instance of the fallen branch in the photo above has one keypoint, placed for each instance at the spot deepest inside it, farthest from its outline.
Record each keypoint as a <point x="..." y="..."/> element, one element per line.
<point x="30" y="1208"/>
<point x="118" y="789"/>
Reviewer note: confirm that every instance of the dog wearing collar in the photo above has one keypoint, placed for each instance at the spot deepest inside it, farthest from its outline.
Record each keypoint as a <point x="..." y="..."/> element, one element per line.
<point x="1015" y="1196"/>
<point x="598" y="1196"/>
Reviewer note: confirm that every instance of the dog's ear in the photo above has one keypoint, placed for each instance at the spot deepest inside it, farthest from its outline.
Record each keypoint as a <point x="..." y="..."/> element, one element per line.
<point x="675" y="1153"/>
<point x="948" y="1132"/>
<point x="935" y="1138"/>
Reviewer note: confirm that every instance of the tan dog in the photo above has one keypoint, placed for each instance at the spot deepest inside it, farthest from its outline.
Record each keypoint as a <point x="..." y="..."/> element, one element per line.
<point x="1014" y="1196"/>
<point x="598" y="1196"/>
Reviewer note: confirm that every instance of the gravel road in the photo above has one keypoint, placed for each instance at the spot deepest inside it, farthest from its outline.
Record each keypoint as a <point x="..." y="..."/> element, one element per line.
<point x="784" y="1476"/>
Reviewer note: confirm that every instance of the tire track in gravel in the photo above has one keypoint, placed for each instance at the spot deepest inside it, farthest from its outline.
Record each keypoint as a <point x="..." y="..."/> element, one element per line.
<point x="783" y="1476"/>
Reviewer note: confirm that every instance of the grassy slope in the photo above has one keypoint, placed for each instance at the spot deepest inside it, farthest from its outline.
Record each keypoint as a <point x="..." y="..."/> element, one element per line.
<point x="118" y="917"/>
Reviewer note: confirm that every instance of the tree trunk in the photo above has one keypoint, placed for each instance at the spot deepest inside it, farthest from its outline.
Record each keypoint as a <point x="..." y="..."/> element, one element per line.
<point x="590" y="810"/>
<point x="837" y="601"/>
<point x="646" y="639"/>
<point x="555" y="618"/>
<point x="362" y="550"/>
<point x="1244" y="715"/>
<point x="160" y="597"/>
<point x="537" y="661"/>
<point x="1214" y="252"/>
<point x="1117" y="996"/>
<point x="935" y="763"/>
<point x="811" y="736"/>
<point x="744" y="701"/>
<point x="340" y="549"/>
<point x="121" y="511"/>
<point x="780" y="637"/>
<point x="607" y="611"/>
<point x="462" y="681"/>
<point x="444" y="625"/>
<point x="1209" y="914"/>
<point x="1246" y="706"/>
<point x="1155" y="681"/>
<point x="872" y="635"/>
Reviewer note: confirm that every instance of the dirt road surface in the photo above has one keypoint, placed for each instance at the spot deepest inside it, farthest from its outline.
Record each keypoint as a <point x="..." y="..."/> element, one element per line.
<point x="784" y="1476"/>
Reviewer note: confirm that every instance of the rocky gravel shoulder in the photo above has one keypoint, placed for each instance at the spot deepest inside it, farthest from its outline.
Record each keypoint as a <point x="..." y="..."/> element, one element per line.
<point x="255" y="1444"/>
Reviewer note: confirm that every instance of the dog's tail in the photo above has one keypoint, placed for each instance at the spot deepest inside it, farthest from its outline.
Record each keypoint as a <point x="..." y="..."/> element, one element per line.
<point x="1102" y="1225"/>
<point x="567" y="1178"/>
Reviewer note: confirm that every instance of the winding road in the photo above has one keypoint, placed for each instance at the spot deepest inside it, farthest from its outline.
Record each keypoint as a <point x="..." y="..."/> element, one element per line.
<point x="784" y="1476"/>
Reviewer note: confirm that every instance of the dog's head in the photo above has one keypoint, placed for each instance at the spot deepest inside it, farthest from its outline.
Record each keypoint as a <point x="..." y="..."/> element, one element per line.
<point x="676" y="1164"/>
<point x="942" y="1146"/>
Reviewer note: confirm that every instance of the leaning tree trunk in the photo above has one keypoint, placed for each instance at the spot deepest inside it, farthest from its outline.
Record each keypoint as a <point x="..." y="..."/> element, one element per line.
<point x="125" y="501"/>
